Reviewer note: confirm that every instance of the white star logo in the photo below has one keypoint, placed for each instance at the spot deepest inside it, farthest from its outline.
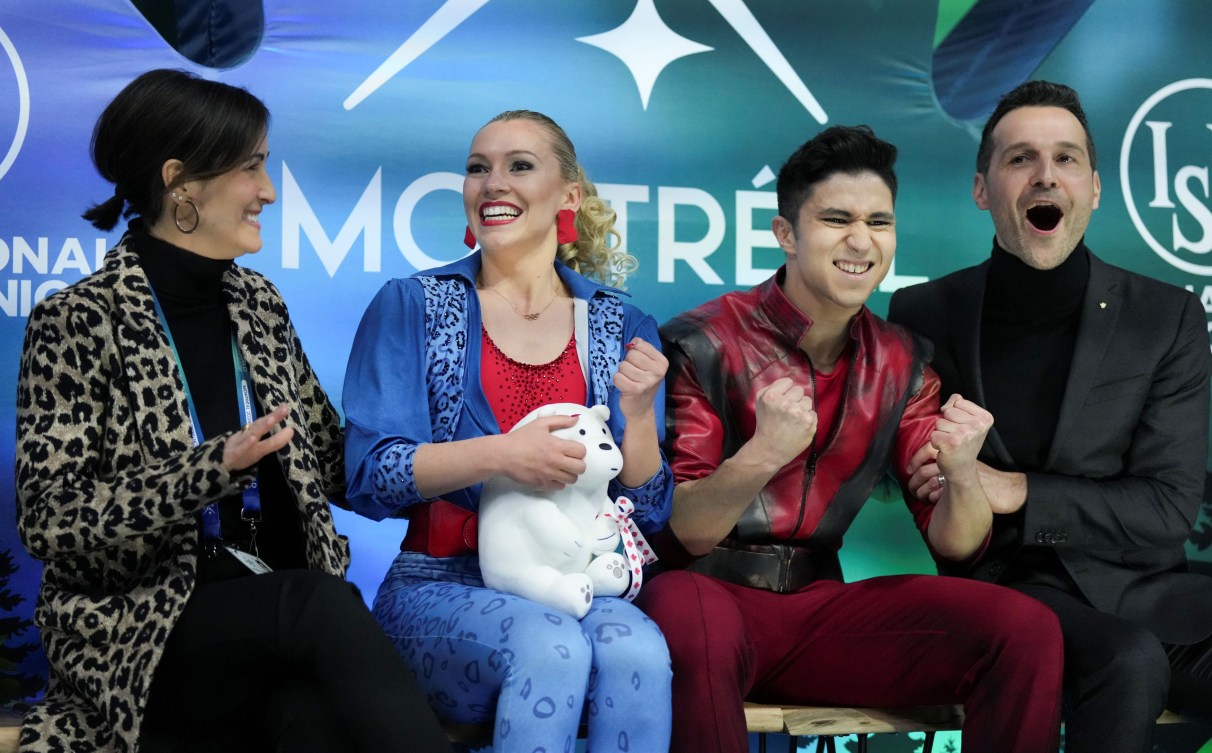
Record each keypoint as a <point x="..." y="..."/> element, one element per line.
<point x="645" y="45"/>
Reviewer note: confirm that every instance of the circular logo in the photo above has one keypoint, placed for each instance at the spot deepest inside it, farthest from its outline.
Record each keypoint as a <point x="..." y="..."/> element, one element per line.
<point x="1177" y="220"/>
<point x="19" y="128"/>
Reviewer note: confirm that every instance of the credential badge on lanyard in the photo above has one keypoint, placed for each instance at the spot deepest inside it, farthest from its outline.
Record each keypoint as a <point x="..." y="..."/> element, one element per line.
<point x="212" y="531"/>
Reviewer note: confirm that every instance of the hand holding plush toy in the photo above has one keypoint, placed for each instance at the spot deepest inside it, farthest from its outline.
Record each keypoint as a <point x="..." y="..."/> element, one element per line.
<point x="558" y="547"/>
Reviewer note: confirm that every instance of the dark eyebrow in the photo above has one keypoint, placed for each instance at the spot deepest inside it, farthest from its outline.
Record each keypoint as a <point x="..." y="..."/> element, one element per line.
<point x="1028" y="146"/>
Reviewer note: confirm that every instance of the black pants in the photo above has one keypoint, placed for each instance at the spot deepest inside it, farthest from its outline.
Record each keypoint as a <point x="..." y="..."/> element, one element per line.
<point x="1119" y="677"/>
<point x="290" y="661"/>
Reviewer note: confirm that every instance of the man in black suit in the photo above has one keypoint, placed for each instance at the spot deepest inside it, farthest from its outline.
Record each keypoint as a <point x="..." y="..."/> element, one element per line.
<point x="1097" y="379"/>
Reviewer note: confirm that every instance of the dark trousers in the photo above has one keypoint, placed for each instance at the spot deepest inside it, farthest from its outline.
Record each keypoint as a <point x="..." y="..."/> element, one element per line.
<point x="891" y="641"/>
<point x="289" y="661"/>
<point x="1119" y="677"/>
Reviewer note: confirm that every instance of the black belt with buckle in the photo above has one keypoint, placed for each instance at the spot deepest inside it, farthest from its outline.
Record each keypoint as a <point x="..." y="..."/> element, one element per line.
<point x="784" y="568"/>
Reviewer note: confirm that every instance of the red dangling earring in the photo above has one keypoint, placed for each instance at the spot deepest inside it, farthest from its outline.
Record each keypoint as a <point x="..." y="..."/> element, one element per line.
<point x="566" y="226"/>
<point x="469" y="239"/>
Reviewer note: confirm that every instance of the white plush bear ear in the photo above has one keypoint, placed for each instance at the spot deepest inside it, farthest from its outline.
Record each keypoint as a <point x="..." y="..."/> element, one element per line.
<point x="601" y="411"/>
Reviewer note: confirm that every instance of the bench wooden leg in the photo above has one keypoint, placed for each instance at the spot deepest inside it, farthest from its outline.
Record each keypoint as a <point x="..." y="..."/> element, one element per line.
<point x="929" y="745"/>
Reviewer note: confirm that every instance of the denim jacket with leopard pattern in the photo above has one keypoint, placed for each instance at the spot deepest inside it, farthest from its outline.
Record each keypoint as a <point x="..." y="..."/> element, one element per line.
<point x="414" y="377"/>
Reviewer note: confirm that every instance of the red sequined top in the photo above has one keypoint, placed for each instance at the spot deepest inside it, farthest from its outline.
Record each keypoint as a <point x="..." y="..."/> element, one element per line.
<point x="514" y="389"/>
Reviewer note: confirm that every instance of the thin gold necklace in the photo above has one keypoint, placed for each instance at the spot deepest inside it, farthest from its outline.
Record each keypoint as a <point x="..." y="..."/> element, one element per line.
<point x="555" y="293"/>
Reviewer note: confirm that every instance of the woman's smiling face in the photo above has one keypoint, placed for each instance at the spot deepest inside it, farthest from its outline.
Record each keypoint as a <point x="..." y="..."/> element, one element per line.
<point x="229" y="209"/>
<point x="513" y="187"/>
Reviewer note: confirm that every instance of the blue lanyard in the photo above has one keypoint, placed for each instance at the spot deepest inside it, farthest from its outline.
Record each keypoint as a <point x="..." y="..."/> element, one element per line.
<point x="251" y="512"/>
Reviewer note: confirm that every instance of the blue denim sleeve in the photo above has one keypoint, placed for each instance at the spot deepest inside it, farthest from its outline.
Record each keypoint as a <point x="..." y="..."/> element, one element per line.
<point x="654" y="500"/>
<point x="386" y="405"/>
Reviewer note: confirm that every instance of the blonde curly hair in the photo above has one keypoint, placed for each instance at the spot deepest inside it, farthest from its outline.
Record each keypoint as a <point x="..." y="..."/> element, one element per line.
<point x="596" y="252"/>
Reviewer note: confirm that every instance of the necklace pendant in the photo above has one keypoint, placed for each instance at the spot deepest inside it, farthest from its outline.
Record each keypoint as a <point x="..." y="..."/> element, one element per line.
<point x="531" y="317"/>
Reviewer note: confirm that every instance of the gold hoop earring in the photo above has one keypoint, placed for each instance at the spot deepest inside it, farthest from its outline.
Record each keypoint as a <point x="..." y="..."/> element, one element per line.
<point x="177" y="218"/>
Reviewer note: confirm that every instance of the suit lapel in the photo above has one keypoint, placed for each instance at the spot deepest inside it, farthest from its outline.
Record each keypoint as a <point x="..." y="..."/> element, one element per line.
<point x="968" y="332"/>
<point x="969" y="301"/>
<point x="1099" y="315"/>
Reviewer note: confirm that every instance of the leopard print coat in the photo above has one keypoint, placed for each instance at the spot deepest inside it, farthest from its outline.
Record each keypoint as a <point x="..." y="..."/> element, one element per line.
<point x="109" y="485"/>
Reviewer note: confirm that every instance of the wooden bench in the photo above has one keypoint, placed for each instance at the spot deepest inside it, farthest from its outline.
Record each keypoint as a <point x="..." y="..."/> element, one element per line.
<point x="826" y="723"/>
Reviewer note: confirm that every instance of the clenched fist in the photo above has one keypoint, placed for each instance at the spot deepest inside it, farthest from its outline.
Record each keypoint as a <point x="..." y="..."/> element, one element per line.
<point x="786" y="421"/>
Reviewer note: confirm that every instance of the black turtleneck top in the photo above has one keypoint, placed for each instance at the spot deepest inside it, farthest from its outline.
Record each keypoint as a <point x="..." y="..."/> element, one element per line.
<point x="189" y="288"/>
<point x="1028" y="328"/>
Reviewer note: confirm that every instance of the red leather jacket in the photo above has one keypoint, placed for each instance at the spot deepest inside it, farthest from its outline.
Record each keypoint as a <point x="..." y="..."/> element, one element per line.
<point x="723" y="352"/>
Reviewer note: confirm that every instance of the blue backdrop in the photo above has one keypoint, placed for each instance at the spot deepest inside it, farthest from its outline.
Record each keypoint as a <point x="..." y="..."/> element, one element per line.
<point x="682" y="112"/>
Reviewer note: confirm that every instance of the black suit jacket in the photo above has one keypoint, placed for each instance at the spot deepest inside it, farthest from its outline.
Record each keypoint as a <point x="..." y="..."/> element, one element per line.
<point x="1124" y="479"/>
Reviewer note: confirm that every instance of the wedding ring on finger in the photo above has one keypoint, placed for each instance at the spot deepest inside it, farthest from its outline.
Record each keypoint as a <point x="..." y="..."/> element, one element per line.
<point x="942" y="481"/>
<point x="248" y="428"/>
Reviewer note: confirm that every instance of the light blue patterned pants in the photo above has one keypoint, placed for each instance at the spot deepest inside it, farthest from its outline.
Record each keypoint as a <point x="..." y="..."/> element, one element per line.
<point x="481" y="654"/>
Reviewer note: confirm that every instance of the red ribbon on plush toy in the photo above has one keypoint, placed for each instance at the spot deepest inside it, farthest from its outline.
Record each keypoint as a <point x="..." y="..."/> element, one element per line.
<point x="635" y="546"/>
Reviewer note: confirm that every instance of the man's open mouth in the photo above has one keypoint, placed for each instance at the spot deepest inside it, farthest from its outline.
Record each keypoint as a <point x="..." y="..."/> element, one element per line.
<point x="1044" y="216"/>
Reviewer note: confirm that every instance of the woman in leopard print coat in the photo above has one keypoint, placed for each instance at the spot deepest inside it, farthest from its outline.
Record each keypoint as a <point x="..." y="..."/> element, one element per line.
<point x="111" y="480"/>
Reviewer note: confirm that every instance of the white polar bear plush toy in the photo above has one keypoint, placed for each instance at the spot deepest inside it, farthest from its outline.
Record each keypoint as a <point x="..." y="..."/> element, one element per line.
<point x="558" y="547"/>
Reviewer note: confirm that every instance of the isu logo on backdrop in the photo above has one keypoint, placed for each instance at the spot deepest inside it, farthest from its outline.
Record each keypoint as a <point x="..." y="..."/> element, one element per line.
<point x="1164" y="163"/>
<point x="14" y="103"/>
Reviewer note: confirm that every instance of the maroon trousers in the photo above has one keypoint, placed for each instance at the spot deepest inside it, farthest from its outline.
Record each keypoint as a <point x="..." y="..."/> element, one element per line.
<point x="893" y="641"/>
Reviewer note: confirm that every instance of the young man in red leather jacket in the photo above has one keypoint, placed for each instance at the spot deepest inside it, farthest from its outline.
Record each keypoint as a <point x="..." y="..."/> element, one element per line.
<point x="786" y="404"/>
